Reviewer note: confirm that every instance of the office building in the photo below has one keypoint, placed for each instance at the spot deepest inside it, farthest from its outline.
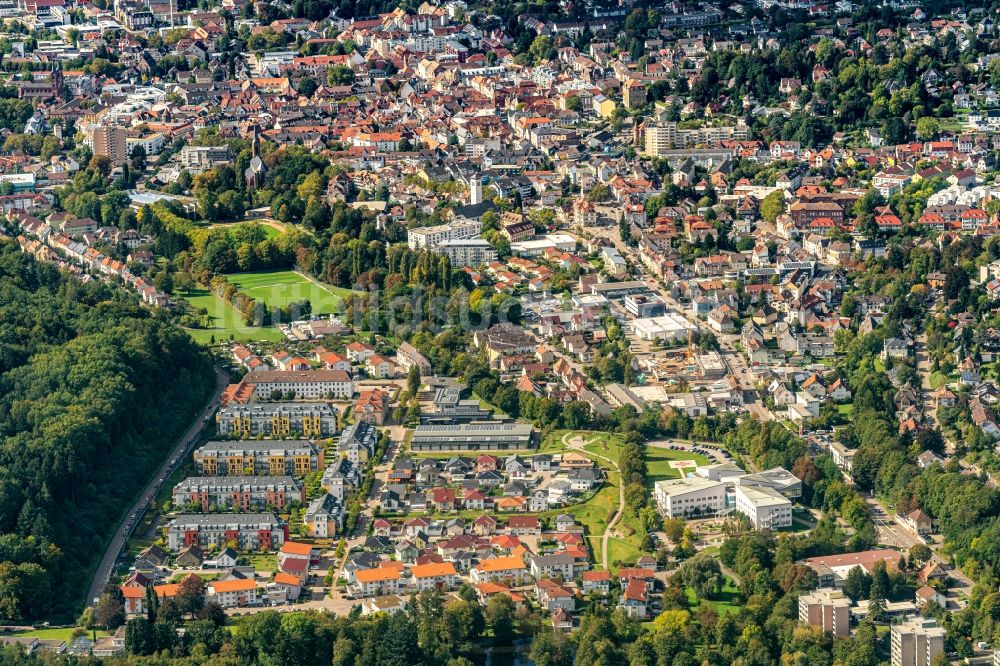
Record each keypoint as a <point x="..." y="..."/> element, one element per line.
<point x="766" y="508"/>
<point x="693" y="496"/>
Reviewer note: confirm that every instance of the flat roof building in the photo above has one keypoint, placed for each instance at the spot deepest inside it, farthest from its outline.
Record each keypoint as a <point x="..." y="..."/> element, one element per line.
<point x="916" y="643"/>
<point x="670" y="327"/>
<point x="277" y="419"/>
<point x="766" y="508"/>
<point x="474" y="437"/>
<point x="827" y="609"/>
<point x="693" y="496"/>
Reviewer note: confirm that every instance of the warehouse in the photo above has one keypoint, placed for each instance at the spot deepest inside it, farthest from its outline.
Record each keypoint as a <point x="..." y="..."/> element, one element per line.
<point x="474" y="437"/>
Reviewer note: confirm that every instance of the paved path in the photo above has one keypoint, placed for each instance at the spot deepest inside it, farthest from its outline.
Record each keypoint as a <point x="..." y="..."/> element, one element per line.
<point x="577" y="443"/>
<point x="142" y="502"/>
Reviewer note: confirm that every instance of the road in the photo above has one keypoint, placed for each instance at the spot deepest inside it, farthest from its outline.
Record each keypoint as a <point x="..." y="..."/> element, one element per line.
<point x="731" y="357"/>
<point x="122" y="531"/>
<point x="577" y="444"/>
<point x="927" y="393"/>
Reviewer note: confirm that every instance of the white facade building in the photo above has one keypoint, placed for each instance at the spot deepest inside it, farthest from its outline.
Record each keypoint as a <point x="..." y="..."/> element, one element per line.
<point x="766" y="508"/>
<point x="679" y="498"/>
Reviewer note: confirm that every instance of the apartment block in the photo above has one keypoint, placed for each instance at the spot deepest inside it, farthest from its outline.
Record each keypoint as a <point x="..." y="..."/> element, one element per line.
<point x="827" y="609"/>
<point x="278" y="419"/>
<point x="241" y="493"/>
<point x="431" y="237"/>
<point x="917" y="642"/>
<point x="245" y="531"/>
<point x="301" y="384"/>
<point x="274" y="458"/>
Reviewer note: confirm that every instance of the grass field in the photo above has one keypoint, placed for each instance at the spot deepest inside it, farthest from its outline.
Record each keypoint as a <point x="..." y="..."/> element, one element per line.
<point x="658" y="463"/>
<point x="224" y="320"/>
<point x="726" y="602"/>
<point x="279" y="288"/>
<point x="55" y="633"/>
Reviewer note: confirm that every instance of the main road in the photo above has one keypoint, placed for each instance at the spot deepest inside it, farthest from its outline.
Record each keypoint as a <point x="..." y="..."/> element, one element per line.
<point x="142" y="503"/>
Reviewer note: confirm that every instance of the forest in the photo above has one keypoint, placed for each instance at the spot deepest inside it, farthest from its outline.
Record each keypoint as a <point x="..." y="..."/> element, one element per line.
<point x="94" y="390"/>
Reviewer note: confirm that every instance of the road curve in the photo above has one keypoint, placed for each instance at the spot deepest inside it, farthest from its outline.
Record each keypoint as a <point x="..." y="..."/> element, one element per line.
<point x="118" y="541"/>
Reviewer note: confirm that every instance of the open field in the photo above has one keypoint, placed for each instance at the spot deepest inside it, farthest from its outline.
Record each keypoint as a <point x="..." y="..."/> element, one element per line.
<point x="272" y="228"/>
<point x="224" y="320"/>
<point x="726" y="602"/>
<point x="279" y="288"/>
<point x="658" y="465"/>
<point x="55" y="633"/>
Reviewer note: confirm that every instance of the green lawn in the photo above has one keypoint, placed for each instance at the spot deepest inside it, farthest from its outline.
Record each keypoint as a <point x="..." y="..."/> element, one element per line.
<point x="846" y="409"/>
<point x="224" y="320"/>
<point x="264" y="562"/>
<point x="938" y="379"/>
<point x="270" y="231"/>
<point x="595" y="513"/>
<point x="56" y="633"/>
<point x="727" y="602"/>
<point x="658" y="463"/>
<point x="620" y="550"/>
<point x="279" y="288"/>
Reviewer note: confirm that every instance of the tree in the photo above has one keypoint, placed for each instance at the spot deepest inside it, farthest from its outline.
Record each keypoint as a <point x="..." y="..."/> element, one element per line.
<point x="703" y="574"/>
<point x="772" y="206"/>
<point x="625" y="231"/>
<point x="191" y="593"/>
<point x="956" y="279"/>
<point x="927" y="128"/>
<point x="413" y="380"/>
<point x="877" y="595"/>
<point x="138" y="158"/>
<point x="110" y="612"/>
<point x="140" y="638"/>
<point x="919" y="554"/>
<point x="500" y="618"/>
<point x="857" y="584"/>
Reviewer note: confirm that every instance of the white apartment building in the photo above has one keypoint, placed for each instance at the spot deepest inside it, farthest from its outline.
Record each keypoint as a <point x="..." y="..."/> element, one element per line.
<point x="766" y="508"/>
<point x="665" y="136"/>
<point x="233" y="593"/>
<point x="679" y="498"/>
<point x="306" y="384"/>
<point x="917" y="642"/>
<point x="204" y="157"/>
<point x="431" y="237"/>
<point x="467" y="251"/>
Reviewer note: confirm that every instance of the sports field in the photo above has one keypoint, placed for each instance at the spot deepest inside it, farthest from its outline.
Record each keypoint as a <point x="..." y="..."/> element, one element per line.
<point x="279" y="288"/>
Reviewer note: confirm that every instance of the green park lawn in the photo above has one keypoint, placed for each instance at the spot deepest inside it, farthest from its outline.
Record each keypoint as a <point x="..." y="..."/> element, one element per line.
<point x="279" y="288"/>
<point x="224" y="320"/>
<point x="728" y="601"/>
<point x="55" y="633"/>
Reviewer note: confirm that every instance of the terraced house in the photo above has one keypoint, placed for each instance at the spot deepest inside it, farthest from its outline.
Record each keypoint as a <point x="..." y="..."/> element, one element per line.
<point x="284" y="419"/>
<point x="274" y="458"/>
<point x="243" y="493"/>
<point x="246" y="531"/>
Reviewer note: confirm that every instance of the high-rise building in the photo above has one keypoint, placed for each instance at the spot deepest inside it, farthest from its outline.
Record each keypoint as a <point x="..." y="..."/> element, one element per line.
<point x="828" y="609"/>
<point x="110" y="142"/>
<point x="916" y="642"/>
